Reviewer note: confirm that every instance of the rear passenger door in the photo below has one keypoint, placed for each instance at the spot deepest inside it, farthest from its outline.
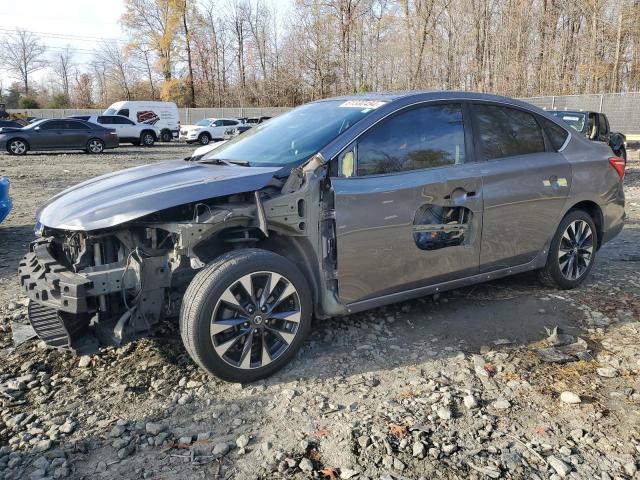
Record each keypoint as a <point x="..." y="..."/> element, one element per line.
<point x="409" y="213"/>
<point x="525" y="183"/>
<point x="76" y="134"/>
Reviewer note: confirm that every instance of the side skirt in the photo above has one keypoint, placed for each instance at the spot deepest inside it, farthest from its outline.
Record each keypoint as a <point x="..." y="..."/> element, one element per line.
<point x="535" y="264"/>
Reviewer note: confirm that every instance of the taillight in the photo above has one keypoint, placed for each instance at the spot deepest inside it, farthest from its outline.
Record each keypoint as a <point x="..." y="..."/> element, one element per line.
<point x="618" y="165"/>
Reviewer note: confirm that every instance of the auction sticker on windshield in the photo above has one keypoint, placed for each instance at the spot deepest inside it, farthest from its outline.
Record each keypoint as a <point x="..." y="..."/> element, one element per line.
<point x="365" y="104"/>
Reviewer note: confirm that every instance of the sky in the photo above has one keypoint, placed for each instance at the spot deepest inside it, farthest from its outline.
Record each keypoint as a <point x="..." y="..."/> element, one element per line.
<point x="80" y="24"/>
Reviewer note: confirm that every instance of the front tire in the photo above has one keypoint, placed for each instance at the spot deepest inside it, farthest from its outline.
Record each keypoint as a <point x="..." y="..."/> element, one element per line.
<point x="245" y="315"/>
<point x="95" y="146"/>
<point x="204" y="139"/>
<point x="572" y="251"/>
<point x="17" y="146"/>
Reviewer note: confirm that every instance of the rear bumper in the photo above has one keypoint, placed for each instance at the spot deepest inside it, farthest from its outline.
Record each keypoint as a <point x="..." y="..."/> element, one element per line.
<point x="111" y="142"/>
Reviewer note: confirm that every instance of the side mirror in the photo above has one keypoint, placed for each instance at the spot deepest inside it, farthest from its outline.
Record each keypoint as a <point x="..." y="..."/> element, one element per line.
<point x="346" y="164"/>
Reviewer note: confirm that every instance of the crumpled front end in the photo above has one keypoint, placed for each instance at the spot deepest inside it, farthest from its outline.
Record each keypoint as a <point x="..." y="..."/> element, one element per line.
<point x="91" y="289"/>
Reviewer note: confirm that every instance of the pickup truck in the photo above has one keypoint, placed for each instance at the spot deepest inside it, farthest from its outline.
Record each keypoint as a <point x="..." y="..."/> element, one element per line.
<point x="595" y="126"/>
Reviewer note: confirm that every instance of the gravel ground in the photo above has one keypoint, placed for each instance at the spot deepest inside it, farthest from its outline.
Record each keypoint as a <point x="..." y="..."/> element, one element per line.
<point x="502" y="380"/>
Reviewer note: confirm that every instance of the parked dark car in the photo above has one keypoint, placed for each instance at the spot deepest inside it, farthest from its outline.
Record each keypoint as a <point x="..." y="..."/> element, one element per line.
<point x="332" y="208"/>
<point x="63" y="134"/>
<point x="256" y="120"/>
<point x="10" y="124"/>
<point x="5" y="199"/>
<point x="594" y="126"/>
<point x="235" y="131"/>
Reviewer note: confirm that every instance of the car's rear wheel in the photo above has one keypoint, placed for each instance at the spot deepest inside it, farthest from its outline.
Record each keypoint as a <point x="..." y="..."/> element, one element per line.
<point x="166" y="136"/>
<point x="204" y="138"/>
<point x="17" y="146"/>
<point x="245" y="315"/>
<point x="572" y="251"/>
<point x="95" y="145"/>
<point x="147" y="139"/>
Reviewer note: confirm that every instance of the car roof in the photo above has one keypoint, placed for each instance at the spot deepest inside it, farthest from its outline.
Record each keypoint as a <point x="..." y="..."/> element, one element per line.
<point x="426" y="95"/>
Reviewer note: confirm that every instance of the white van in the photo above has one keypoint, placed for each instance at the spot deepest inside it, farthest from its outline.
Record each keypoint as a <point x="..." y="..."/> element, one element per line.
<point x="163" y="115"/>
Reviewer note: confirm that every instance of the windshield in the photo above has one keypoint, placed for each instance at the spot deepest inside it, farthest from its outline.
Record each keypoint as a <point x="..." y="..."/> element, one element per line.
<point x="203" y="123"/>
<point x="575" y="120"/>
<point x="110" y="111"/>
<point x="35" y="124"/>
<point x="296" y="135"/>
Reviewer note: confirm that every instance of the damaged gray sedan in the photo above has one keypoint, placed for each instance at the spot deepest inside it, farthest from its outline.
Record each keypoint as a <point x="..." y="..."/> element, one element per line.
<point x="332" y="208"/>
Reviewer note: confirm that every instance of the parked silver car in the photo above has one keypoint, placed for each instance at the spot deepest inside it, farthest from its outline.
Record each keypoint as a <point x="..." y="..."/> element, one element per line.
<point x="335" y="207"/>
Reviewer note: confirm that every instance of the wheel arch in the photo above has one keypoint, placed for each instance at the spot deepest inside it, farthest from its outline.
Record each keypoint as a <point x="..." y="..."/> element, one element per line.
<point x="297" y="250"/>
<point x="148" y="130"/>
<point x="595" y="212"/>
<point x="18" y="138"/>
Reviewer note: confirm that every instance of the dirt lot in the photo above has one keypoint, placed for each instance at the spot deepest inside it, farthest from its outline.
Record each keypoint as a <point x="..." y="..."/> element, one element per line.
<point x="465" y="385"/>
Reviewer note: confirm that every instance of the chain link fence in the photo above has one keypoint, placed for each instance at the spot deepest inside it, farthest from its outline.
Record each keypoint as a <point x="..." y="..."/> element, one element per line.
<point x="623" y="110"/>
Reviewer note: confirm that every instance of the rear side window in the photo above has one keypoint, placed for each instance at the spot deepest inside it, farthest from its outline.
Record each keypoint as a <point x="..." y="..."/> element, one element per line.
<point x="557" y="135"/>
<point x="105" y="120"/>
<point x="507" y="132"/>
<point x="424" y="137"/>
<point x="53" y="125"/>
<point x="71" y="125"/>
<point x="122" y="121"/>
<point x="228" y="123"/>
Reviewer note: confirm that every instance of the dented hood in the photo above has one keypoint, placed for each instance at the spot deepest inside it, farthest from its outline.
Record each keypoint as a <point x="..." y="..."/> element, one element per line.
<point x="122" y="196"/>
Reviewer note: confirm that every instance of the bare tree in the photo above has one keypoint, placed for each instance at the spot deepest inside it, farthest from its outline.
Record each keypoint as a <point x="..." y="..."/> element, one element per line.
<point x="22" y="55"/>
<point x="62" y="66"/>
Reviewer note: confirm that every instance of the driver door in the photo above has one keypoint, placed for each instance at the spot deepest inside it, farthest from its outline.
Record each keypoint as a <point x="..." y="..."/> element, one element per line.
<point x="408" y="204"/>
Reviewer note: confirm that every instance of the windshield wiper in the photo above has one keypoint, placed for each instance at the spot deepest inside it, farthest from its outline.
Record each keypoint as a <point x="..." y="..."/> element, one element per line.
<point x="220" y="161"/>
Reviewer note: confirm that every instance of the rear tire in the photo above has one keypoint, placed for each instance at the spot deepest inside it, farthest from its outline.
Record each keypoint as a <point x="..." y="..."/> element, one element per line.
<point x="95" y="146"/>
<point x="166" y="136"/>
<point x="17" y="146"/>
<point x="243" y="336"/>
<point x="204" y="139"/>
<point x="147" y="139"/>
<point x="572" y="251"/>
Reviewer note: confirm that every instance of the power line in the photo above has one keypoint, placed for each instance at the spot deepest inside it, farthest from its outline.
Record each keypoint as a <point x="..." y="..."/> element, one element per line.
<point x="67" y="36"/>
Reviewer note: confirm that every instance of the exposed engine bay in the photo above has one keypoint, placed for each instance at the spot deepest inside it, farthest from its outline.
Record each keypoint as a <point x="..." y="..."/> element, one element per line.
<point x="113" y="285"/>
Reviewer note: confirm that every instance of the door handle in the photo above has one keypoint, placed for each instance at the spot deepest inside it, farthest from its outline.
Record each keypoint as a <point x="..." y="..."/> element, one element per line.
<point x="460" y="194"/>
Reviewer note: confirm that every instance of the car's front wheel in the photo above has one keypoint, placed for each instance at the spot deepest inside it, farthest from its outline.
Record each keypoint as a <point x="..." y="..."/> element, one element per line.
<point x="204" y="138"/>
<point x="572" y="251"/>
<point x="95" y="145"/>
<point x="17" y="146"/>
<point x="245" y="315"/>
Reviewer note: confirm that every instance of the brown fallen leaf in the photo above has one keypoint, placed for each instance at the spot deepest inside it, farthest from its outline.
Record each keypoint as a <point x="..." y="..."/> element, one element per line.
<point x="490" y="368"/>
<point x="398" y="431"/>
<point x="322" y="432"/>
<point x="329" y="472"/>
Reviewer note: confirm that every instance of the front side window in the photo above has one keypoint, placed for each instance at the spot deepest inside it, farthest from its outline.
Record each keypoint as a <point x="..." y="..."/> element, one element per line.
<point x="124" y="112"/>
<point x="506" y="132"/>
<point x="424" y="137"/>
<point x="52" y="125"/>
